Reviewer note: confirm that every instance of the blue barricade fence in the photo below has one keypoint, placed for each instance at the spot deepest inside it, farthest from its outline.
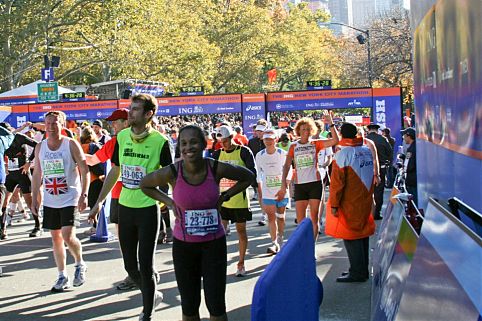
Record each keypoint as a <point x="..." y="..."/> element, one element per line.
<point x="289" y="288"/>
<point x="444" y="282"/>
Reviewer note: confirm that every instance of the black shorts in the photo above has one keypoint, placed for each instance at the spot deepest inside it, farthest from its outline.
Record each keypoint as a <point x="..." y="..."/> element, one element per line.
<point x="56" y="218"/>
<point x="114" y="211"/>
<point x="15" y="178"/>
<point x="308" y="191"/>
<point x="236" y="215"/>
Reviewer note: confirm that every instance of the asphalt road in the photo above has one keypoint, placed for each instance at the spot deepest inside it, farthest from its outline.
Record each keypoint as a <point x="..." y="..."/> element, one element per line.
<point x="29" y="272"/>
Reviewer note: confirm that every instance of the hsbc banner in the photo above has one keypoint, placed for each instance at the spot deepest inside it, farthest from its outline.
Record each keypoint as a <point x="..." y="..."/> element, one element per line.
<point x="197" y="105"/>
<point x="387" y="111"/>
<point x="75" y="110"/>
<point x="254" y="108"/>
<point x="319" y="99"/>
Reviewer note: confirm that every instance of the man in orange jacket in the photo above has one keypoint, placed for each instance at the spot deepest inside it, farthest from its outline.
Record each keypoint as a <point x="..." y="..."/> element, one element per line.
<point x="351" y="201"/>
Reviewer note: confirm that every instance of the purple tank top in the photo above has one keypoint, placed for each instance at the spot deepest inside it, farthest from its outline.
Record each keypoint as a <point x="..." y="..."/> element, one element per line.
<point x="189" y="197"/>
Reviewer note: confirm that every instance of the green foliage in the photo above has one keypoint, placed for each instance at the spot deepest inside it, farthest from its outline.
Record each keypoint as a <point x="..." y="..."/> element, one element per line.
<point x="226" y="46"/>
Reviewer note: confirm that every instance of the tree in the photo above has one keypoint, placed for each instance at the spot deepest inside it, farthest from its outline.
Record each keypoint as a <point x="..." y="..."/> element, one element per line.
<point x="391" y="56"/>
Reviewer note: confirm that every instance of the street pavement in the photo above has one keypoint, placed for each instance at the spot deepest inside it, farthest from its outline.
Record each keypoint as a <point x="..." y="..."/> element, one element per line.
<point x="29" y="272"/>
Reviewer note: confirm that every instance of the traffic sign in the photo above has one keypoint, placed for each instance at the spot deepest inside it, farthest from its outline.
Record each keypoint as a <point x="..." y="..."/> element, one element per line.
<point x="48" y="91"/>
<point x="48" y="74"/>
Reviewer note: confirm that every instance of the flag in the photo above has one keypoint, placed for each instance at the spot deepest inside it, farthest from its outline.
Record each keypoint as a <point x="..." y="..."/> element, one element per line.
<point x="271" y="75"/>
<point x="56" y="185"/>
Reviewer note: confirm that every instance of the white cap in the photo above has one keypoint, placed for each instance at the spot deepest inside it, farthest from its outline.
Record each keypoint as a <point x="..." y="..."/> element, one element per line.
<point x="224" y="132"/>
<point x="260" y="128"/>
<point x="269" y="133"/>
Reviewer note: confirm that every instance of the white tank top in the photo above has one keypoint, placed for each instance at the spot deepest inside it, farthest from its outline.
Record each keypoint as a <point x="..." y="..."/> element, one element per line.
<point x="61" y="179"/>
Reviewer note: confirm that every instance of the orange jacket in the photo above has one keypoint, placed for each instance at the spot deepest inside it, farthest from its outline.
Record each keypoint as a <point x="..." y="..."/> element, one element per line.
<point x="351" y="191"/>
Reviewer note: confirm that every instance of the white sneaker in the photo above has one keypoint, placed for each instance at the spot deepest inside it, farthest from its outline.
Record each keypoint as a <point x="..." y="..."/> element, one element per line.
<point x="273" y="249"/>
<point x="263" y="220"/>
<point x="79" y="275"/>
<point x="241" y="271"/>
<point x="280" y="240"/>
<point x="61" y="284"/>
<point x="158" y="297"/>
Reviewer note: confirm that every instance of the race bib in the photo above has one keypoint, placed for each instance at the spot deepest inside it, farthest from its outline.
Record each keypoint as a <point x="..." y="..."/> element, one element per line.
<point x="225" y="184"/>
<point x="13" y="164"/>
<point x="201" y="222"/>
<point x="54" y="168"/>
<point x="304" y="161"/>
<point x="132" y="175"/>
<point x="273" y="181"/>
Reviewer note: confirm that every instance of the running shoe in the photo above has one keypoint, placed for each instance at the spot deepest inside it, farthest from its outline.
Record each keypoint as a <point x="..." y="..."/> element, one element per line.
<point x="158" y="297"/>
<point x="157" y="300"/>
<point x="168" y="235"/>
<point x="3" y="235"/>
<point x="35" y="232"/>
<point x="127" y="284"/>
<point x="263" y="220"/>
<point x="273" y="249"/>
<point x="61" y="284"/>
<point x="280" y="240"/>
<point x="161" y="239"/>
<point x="241" y="271"/>
<point x="79" y="275"/>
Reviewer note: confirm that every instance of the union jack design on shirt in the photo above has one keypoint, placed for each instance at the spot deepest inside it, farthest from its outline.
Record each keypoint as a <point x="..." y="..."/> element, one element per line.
<point x="56" y="185"/>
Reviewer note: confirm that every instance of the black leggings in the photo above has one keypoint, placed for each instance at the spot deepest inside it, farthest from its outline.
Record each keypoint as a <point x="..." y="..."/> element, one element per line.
<point x="193" y="261"/>
<point x="139" y="227"/>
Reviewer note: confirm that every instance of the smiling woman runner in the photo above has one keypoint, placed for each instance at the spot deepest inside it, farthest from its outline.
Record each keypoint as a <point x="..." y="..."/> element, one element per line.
<point x="199" y="248"/>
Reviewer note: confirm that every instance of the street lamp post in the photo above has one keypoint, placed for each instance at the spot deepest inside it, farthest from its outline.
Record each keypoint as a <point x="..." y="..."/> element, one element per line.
<point x="361" y="40"/>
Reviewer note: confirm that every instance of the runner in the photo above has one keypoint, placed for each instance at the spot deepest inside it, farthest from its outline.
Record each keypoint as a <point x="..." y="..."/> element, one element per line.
<point x="269" y="163"/>
<point x="118" y="120"/>
<point x="237" y="209"/>
<point x="304" y="152"/>
<point x="6" y="139"/>
<point x="138" y="151"/>
<point x="58" y="162"/>
<point x="199" y="248"/>
<point x="18" y="175"/>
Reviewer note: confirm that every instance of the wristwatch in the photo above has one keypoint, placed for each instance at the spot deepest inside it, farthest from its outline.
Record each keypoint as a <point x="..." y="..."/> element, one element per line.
<point x="84" y="195"/>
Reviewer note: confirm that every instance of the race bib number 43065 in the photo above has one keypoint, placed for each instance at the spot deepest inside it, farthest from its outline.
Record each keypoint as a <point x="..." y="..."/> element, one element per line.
<point x="132" y="175"/>
<point x="201" y="222"/>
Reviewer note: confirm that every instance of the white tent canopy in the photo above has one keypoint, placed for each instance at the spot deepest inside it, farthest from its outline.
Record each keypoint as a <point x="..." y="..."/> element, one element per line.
<point x="30" y="90"/>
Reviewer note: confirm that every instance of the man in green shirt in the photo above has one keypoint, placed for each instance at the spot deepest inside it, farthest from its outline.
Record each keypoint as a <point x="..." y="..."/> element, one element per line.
<point x="139" y="150"/>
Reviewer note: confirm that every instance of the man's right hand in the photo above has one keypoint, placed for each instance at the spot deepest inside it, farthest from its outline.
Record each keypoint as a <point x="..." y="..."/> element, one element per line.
<point x="94" y="214"/>
<point x="280" y="195"/>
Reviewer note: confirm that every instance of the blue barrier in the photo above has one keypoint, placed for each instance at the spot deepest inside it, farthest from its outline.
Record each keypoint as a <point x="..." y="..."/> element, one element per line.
<point x="102" y="234"/>
<point x="444" y="282"/>
<point x="289" y="288"/>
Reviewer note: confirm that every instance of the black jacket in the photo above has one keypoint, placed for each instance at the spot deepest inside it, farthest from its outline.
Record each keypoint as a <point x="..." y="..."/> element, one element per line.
<point x="411" y="169"/>
<point x="384" y="150"/>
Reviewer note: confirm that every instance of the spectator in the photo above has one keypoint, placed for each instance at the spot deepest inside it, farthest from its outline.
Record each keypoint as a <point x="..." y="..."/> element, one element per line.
<point x="410" y="164"/>
<point x="350" y="202"/>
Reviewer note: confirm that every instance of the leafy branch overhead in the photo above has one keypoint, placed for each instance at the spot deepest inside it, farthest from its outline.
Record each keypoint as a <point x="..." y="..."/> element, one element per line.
<point x="226" y="46"/>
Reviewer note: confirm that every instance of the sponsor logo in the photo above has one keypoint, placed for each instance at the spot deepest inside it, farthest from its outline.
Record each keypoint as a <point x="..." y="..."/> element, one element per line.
<point x="380" y="114"/>
<point x="354" y="103"/>
<point x="190" y="110"/>
<point x="278" y="106"/>
<point x="253" y="108"/>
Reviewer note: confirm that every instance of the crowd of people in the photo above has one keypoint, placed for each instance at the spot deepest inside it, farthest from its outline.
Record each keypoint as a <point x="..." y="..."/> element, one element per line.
<point x="60" y="173"/>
